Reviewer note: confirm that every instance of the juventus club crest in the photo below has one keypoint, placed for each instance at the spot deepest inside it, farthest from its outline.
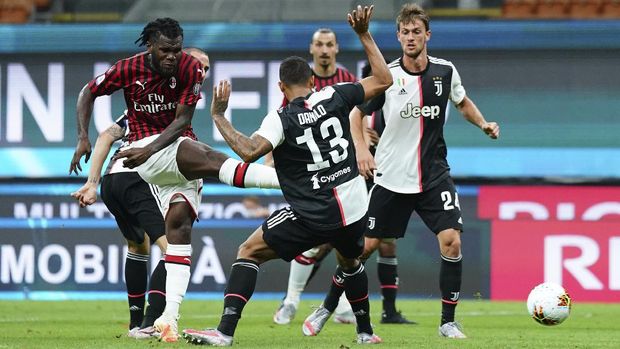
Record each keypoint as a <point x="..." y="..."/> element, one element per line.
<point x="371" y="223"/>
<point x="438" y="85"/>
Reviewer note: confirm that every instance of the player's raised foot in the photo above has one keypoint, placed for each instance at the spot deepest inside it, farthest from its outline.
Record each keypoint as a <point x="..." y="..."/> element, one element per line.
<point x="167" y="328"/>
<point x="365" y="338"/>
<point x="285" y="314"/>
<point x="346" y="317"/>
<point x="142" y="333"/>
<point x="315" y="321"/>
<point x="451" y="330"/>
<point x="396" y="318"/>
<point x="209" y="336"/>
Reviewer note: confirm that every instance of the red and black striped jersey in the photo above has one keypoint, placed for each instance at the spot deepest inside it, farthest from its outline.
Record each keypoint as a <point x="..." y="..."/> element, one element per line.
<point x="341" y="75"/>
<point x="151" y="98"/>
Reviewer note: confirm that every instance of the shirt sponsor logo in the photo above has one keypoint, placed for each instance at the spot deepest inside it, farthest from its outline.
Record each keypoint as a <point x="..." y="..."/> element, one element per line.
<point x="427" y="111"/>
<point x="316" y="180"/>
<point x="156" y="104"/>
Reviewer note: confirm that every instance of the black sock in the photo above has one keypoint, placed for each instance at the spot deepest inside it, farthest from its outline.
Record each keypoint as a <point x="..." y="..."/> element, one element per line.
<point x="335" y="290"/>
<point x="156" y="295"/>
<point x="356" y="287"/>
<point x="238" y="292"/>
<point x="450" y="286"/>
<point x="136" y="278"/>
<point x="387" y="270"/>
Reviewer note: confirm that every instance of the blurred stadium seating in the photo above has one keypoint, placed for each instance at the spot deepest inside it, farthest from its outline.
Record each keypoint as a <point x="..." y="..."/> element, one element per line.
<point x="561" y="9"/>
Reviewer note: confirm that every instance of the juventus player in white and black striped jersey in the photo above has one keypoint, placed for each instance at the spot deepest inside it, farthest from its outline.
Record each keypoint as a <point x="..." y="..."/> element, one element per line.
<point x="412" y="173"/>
<point x="315" y="162"/>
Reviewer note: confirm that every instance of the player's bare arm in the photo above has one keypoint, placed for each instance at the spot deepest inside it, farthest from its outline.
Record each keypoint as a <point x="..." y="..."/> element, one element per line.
<point x="471" y="112"/>
<point x="365" y="161"/>
<point x="137" y="156"/>
<point x="381" y="79"/>
<point x="84" y="108"/>
<point x="248" y="148"/>
<point x="87" y="194"/>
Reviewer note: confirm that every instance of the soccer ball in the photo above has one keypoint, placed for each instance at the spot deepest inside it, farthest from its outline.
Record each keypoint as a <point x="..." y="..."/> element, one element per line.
<point x="549" y="304"/>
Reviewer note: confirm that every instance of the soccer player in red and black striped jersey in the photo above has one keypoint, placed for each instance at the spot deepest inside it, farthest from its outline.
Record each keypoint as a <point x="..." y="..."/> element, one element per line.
<point x="327" y="72"/>
<point x="161" y="88"/>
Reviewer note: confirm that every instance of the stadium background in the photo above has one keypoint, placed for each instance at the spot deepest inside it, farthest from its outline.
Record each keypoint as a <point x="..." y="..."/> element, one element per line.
<point x="542" y="203"/>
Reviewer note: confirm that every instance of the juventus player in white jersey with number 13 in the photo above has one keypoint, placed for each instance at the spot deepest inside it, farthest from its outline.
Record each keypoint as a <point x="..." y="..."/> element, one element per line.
<point x="316" y="166"/>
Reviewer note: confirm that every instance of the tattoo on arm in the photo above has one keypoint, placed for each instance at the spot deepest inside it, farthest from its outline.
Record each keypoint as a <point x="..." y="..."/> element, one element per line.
<point x="116" y="132"/>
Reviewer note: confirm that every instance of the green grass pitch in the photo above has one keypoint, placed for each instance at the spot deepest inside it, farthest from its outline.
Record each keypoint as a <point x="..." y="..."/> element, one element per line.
<point x="102" y="324"/>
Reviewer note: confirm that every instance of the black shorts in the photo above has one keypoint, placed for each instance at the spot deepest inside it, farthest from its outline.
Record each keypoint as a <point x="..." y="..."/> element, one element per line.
<point x="130" y="199"/>
<point x="288" y="236"/>
<point x="389" y="212"/>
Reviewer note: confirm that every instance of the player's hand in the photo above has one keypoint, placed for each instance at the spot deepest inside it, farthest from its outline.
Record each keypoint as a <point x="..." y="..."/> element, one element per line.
<point x="372" y="136"/>
<point x="86" y="195"/>
<point x="83" y="148"/>
<point x="134" y="156"/>
<point x="221" y="94"/>
<point x="491" y="129"/>
<point x="365" y="162"/>
<point x="360" y="18"/>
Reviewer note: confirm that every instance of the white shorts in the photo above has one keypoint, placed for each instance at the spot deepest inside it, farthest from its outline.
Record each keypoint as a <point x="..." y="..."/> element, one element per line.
<point x="161" y="169"/>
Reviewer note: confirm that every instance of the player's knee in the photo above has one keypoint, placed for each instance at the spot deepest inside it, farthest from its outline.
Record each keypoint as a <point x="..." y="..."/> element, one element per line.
<point x="349" y="264"/>
<point x="247" y="250"/>
<point x="387" y="247"/>
<point x="311" y="253"/>
<point x="450" y="243"/>
<point x="370" y="246"/>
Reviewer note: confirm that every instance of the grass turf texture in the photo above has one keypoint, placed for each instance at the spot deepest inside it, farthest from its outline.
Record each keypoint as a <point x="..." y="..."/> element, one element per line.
<point x="103" y="324"/>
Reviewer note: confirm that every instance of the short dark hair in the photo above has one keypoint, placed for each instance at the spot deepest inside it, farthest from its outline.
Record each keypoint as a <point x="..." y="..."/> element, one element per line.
<point x="295" y="70"/>
<point x="409" y="13"/>
<point x="324" y="31"/>
<point x="167" y="27"/>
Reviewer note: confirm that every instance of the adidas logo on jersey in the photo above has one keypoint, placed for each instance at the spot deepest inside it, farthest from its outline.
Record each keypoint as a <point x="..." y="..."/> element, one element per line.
<point x="402" y="92"/>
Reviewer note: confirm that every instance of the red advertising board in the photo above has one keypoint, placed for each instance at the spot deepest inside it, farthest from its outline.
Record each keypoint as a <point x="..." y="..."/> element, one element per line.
<point x="566" y="235"/>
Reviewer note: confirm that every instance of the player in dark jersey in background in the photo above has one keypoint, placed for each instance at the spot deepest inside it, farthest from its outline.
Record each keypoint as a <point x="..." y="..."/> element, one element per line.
<point x="412" y="172"/>
<point x="133" y="203"/>
<point x="161" y="88"/>
<point x="315" y="162"/>
<point x="324" y="49"/>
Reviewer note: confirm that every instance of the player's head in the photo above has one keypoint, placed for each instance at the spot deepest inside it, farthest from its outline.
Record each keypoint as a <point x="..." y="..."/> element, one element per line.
<point x="324" y="48"/>
<point x="413" y="28"/>
<point x="295" y="72"/>
<point x="163" y="38"/>
<point x="201" y="56"/>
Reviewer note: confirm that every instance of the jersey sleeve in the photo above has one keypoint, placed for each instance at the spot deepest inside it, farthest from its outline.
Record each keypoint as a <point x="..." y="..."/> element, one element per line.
<point x="351" y="93"/>
<point x="457" y="91"/>
<point x="108" y="82"/>
<point x="122" y="121"/>
<point x="373" y="104"/>
<point x="271" y="129"/>
<point x="192" y="82"/>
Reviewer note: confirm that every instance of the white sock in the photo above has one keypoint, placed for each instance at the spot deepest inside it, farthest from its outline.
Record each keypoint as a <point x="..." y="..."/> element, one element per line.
<point x="177" y="260"/>
<point x="343" y="305"/>
<point x="299" y="275"/>
<point x="241" y="174"/>
<point x="297" y="279"/>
